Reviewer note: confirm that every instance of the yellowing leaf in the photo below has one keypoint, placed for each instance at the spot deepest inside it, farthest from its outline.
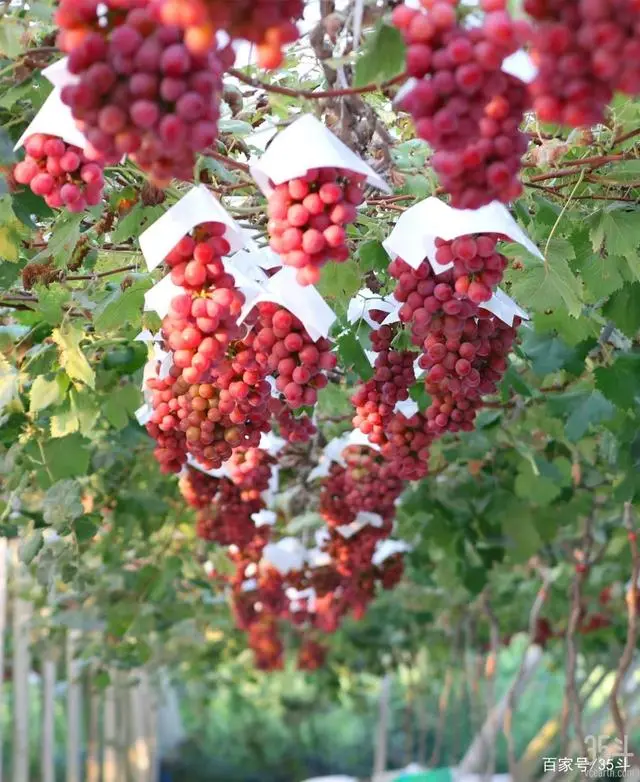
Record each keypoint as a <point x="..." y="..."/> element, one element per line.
<point x="72" y="359"/>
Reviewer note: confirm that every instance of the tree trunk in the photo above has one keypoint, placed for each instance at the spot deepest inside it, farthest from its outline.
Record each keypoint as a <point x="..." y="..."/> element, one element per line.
<point x="93" y="739"/>
<point x="380" y="746"/>
<point x="74" y="705"/>
<point x="476" y="756"/>
<point x="48" y="717"/>
<point x="3" y="625"/>
<point x="22" y="610"/>
<point x="110" y="771"/>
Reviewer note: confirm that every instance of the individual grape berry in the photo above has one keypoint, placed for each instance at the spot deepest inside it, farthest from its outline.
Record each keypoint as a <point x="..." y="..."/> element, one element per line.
<point x="308" y="218"/>
<point x="61" y="173"/>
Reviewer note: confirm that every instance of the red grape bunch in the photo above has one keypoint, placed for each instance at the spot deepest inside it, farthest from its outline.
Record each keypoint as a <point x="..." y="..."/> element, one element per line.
<point x="265" y="641"/>
<point x="293" y="429"/>
<point x="61" y="173"/>
<point x="284" y="349"/>
<point x="376" y="399"/>
<point x="201" y="325"/>
<point x="406" y="447"/>
<point x="477" y="266"/>
<point x="463" y="104"/>
<point x="227" y="520"/>
<point x="463" y="369"/>
<point x="586" y="50"/>
<point x="209" y="420"/>
<point x="269" y="24"/>
<point x="308" y="216"/>
<point x="196" y="260"/>
<point x="140" y="91"/>
<point x="312" y="655"/>
<point x="250" y="469"/>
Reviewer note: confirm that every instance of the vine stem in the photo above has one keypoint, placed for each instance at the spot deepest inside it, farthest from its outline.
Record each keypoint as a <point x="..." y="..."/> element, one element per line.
<point x="632" y="623"/>
<point x="536" y="608"/>
<point x="100" y="275"/>
<point x="313" y="94"/>
<point x="561" y="215"/>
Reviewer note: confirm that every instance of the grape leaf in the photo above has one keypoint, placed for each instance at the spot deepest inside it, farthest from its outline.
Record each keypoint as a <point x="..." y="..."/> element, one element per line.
<point x="50" y="302"/>
<point x="383" y="57"/>
<point x="620" y="382"/>
<point x="593" y="409"/>
<point x="122" y="307"/>
<point x="622" y="308"/>
<point x="72" y="359"/>
<point x="62" y="503"/>
<point x="617" y="228"/>
<point x="121" y="405"/>
<point x="45" y="393"/>
<point x="539" y="286"/>
<point x="31" y="546"/>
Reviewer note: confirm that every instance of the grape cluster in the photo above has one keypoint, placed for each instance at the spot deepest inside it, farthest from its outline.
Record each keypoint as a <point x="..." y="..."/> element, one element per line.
<point x="307" y="219"/>
<point x="269" y="24"/>
<point x="406" y="446"/>
<point x="140" y="91"/>
<point x="250" y="470"/>
<point x="208" y="420"/>
<point x="464" y="347"/>
<point x="198" y="488"/>
<point x="467" y="368"/>
<point x="293" y="429"/>
<point x="61" y="173"/>
<point x="586" y="50"/>
<point x="284" y="348"/>
<point x="200" y="327"/>
<point x="312" y="655"/>
<point x="264" y="640"/>
<point x="463" y="104"/>
<point x="370" y="482"/>
<point x="376" y="399"/>
<point x="227" y="520"/>
<point x="477" y="265"/>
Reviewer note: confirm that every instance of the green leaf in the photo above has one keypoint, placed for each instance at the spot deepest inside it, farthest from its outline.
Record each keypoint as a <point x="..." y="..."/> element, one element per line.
<point x="64" y="422"/>
<point x="122" y="308"/>
<point x="85" y="408"/>
<point x="9" y="383"/>
<point x="72" y="359"/>
<point x="236" y="127"/>
<point x="522" y="538"/>
<point x="67" y="457"/>
<point x="616" y="228"/>
<point x="352" y="355"/>
<point x="338" y="284"/>
<point x="570" y="330"/>
<point x="546" y="352"/>
<point x="47" y="392"/>
<point x="64" y="238"/>
<point x="383" y="57"/>
<point x="134" y="222"/>
<point x="620" y="383"/>
<point x="622" y="308"/>
<point x="62" y="504"/>
<point x="51" y="299"/>
<point x="121" y="405"/>
<point x="593" y="410"/>
<point x="541" y="287"/>
<point x="531" y="484"/>
<point x="31" y="546"/>
<point x="373" y="257"/>
<point x="11" y="37"/>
